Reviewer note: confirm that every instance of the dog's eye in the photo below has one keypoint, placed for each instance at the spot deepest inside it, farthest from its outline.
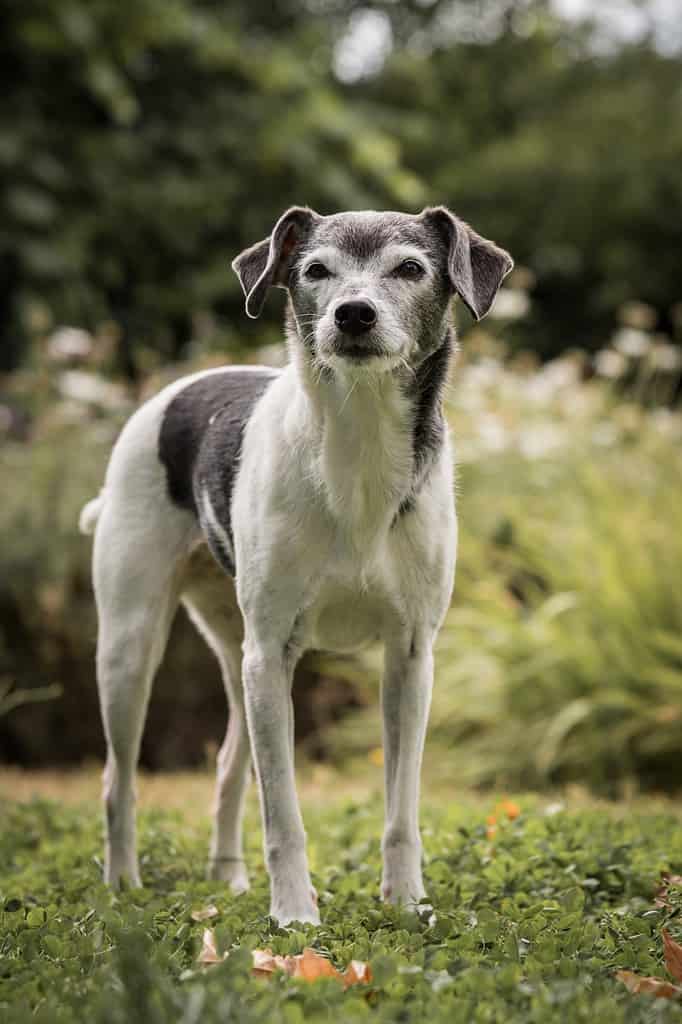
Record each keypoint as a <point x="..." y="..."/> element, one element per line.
<point x="409" y="268"/>
<point x="317" y="272"/>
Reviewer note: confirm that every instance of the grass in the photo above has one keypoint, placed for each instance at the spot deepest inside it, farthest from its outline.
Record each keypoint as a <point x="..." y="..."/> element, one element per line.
<point x="529" y="922"/>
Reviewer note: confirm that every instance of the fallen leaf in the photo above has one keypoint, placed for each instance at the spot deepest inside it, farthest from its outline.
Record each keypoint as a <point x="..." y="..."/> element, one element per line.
<point x="264" y="963"/>
<point x="357" y="973"/>
<point x="310" y="966"/>
<point x="206" y="914"/>
<point x="673" y="956"/>
<point x="209" y="953"/>
<point x="511" y="809"/>
<point x="639" y="985"/>
<point x="307" y="966"/>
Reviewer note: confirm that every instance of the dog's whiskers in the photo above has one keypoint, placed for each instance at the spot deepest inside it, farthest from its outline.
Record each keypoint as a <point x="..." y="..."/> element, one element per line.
<point x="350" y="392"/>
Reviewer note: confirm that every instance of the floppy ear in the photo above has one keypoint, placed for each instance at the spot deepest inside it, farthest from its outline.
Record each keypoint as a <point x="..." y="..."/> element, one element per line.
<point x="268" y="262"/>
<point x="476" y="266"/>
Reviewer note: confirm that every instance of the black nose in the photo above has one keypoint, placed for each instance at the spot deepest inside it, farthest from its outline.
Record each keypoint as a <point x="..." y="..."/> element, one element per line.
<point x="355" y="317"/>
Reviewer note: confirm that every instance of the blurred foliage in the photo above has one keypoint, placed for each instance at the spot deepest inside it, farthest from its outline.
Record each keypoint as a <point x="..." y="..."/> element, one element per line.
<point x="142" y="144"/>
<point x="561" y="656"/>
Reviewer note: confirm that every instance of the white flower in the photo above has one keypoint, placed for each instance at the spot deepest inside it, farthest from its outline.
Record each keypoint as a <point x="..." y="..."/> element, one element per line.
<point x="492" y="433"/>
<point x="553" y="377"/>
<point x="605" y="434"/>
<point x="68" y="343"/>
<point x="480" y="375"/>
<point x="540" y="439"/>
<point x="666" y="357"/>
<point x="510" y="304"/>
<point x="609" y="363"/>
<point x="79" y="386"/>
<point x="666" y="422"/>
<point x="632" y="342"/>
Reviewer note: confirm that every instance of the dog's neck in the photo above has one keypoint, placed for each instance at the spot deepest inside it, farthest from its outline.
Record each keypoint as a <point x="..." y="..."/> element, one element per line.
<point x="374" y="437"/>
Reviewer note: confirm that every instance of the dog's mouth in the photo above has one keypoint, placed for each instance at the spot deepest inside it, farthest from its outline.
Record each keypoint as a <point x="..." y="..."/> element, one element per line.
<point x="357" y="349"/>
<point x="358" y="353"/>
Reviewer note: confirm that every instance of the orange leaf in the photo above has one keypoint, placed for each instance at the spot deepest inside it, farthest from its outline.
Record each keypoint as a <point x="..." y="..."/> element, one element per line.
<point x="357" y="973"/>
<point x="639" y="985"/>
<point x="311" y="966"/>
<point x="307" y="966"/>
<point x="673" y="956"/>
<point x="264" y="963"/>
<point x="209" y="953"/>
<point x="511" y="809"/>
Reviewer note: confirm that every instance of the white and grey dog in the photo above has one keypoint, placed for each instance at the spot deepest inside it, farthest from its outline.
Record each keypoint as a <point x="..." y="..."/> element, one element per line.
<point x="307" y="508"/>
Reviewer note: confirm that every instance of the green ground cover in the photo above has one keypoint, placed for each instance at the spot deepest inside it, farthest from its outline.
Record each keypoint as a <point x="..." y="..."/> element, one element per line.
<point x="528" y="924"/>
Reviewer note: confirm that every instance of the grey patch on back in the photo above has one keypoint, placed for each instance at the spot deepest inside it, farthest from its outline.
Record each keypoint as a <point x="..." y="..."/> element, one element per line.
<point x="200" y="443"/>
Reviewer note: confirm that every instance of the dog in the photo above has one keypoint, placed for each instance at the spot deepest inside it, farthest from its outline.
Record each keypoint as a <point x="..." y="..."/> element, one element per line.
<point x="311" y="507"/>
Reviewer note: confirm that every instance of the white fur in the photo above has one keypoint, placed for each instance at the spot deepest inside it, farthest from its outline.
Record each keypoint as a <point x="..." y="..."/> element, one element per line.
<point x="215" y="524"/>
<point x="321" y="562"/>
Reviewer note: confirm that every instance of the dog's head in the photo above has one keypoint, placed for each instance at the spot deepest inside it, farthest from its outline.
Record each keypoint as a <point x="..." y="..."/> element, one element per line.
<point x="372" y="290"/>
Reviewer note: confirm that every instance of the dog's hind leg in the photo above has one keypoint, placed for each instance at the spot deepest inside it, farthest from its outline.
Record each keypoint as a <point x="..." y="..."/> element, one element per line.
<point x="136" y="572"/>
<point x="210" y="599"/>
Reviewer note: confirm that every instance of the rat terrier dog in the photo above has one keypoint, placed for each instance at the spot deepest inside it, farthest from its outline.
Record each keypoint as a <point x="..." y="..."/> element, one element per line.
<point x="311" y="507"/>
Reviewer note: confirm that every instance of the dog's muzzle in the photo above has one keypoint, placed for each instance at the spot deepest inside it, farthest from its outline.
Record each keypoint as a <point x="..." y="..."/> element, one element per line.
<point x="354" y="322"/>
<point x="355" y="318"/>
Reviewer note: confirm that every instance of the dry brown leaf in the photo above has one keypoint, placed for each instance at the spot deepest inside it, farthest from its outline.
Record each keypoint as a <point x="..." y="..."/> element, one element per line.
<point x="673" y="956"/>
<point x="209" y="953"/>
<point x="638" y="985"/>
<point x="357" y="973"/>
<point x="310" y="966"/>
<point x="307" y="966"/>
<point x="265" y="962"/>
<point x="205" y="914"/>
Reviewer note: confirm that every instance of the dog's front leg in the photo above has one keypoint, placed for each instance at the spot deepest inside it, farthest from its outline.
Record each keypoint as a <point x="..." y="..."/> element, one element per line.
<point x="406" y="697"/>
<point x="267" y="672"/>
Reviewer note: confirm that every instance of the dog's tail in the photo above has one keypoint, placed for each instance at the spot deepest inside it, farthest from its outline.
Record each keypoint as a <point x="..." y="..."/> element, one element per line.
<point x="90" y="513"/>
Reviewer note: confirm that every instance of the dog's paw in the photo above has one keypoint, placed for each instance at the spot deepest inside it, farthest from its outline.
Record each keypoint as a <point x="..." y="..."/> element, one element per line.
<point x="304" y="916"/>
<point x="231" y="871"/>
<point x="407" y="893"/>
<point x="122" y="878"/>
<point x="304" y="909"/>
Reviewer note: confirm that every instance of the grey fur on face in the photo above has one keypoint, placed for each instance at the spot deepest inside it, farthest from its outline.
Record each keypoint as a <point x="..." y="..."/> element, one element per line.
<point x="399" y="270"/>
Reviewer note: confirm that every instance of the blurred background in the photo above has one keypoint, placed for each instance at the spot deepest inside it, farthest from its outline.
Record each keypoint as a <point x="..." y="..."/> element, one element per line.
<point x="143" y="144"/>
